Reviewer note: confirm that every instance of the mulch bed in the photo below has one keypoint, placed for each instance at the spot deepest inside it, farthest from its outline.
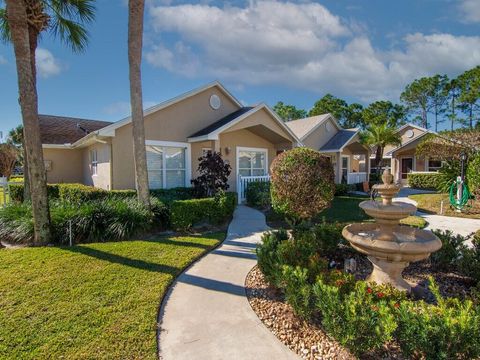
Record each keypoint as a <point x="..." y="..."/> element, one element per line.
<point x="308" y="339"/>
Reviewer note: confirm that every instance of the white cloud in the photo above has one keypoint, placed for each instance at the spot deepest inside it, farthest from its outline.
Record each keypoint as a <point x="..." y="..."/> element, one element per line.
<point x="47" y="64"/>
<point x="299" y="45"/>
<point x="3" y="60"/>
<point x="470" y="11"/>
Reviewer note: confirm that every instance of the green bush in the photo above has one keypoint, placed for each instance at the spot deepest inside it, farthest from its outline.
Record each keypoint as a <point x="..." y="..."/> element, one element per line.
<point x="447" y="174"/>
<point x="216" y="210"/>
<point x="423" y="181"/>
<point x="302" y="183"/>
<point x="451" y="251"/>
<point x="357" y="319"/>
<point x="343" y="189"/>
<point x="473" y="176"/>
<point x="268" y="257"/>
<point x="298" y="291"/>
<point x="16" y="191"/>
<point x="450" y="330"/>
<point x="94" y="220"/>
<point x="469" y="263"/>
<point x="258" y="194"/>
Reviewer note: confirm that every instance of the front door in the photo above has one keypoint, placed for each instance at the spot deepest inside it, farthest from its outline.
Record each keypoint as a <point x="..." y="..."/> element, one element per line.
<point x="407" y="166"/>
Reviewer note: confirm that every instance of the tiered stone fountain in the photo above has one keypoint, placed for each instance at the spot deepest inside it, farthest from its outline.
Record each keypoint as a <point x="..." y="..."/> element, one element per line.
<point x="390" y="247"/>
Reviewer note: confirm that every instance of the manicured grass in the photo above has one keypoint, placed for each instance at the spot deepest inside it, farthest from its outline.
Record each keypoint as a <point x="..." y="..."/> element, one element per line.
<point x="92" y="301"/>
<point x="345" y="209"/>
<point x="430" y="203"/>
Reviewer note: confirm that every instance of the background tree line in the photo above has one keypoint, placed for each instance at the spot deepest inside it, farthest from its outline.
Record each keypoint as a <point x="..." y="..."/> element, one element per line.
<point x="428" y="102"/>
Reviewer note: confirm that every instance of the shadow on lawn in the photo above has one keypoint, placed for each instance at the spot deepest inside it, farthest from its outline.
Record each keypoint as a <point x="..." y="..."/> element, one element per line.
<point x="118" y="259"/>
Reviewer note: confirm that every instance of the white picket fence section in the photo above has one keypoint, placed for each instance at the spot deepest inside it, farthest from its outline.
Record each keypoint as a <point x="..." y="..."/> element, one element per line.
<point x="243" y="182"/>
<point x="356" y="177"/>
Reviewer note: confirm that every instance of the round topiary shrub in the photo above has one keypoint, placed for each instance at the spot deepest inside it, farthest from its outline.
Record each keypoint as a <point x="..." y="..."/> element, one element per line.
<point x="302" y="183"/>
<point x="473" y="176"/>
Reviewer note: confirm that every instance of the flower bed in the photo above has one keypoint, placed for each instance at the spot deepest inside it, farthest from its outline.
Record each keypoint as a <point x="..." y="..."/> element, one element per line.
<point x="365" y="318"/>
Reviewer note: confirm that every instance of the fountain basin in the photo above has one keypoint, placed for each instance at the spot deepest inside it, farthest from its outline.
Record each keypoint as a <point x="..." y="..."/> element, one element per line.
<point x="396" y="210"/>
<point x="389" y="258"/>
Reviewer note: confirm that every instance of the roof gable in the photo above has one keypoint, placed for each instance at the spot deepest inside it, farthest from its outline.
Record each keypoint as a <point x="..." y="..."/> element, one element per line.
<point x="339" y="140"/>
<point x="110" y="130"/>
<point x="304" y="127"/>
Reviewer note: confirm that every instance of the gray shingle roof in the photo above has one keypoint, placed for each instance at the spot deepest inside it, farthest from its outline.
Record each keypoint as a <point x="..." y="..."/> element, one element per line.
<point x="223" y="121"/>
<point x="302" y="127"/>
<point x="339" y="139"/>
<point x="66" y="130"/>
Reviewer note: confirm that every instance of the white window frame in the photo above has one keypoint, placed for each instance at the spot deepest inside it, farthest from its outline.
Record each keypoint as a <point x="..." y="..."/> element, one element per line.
<point x="241" y="148"/>
<point x="188" y="157"/>
<point x="414" y="164"/>
<point x="94" y="162"/>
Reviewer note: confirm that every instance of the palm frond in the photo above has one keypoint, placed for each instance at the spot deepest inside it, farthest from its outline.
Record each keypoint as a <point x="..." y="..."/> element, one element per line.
<point x="71" y="33"/>
<point x="5" y="35"/>
<point x="82" y="11"/>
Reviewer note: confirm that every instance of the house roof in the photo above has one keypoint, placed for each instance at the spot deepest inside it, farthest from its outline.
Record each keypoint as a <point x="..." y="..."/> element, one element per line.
<point x="222" y="122"/>
<point x="59" y="130"/>
<point x="339" y="140"/>
<point x="303" y="127"/>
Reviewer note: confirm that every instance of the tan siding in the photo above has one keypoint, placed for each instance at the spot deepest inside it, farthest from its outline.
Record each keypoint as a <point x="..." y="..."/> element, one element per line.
<point x="320" y="136"/>
<point x="197" y="152"/>
<point x="404" y="138"/>
<point x="174" y="123"/>
<point x="66" y="165"/>
<point x="242" y="138"/>
<point x="102" y="179"/>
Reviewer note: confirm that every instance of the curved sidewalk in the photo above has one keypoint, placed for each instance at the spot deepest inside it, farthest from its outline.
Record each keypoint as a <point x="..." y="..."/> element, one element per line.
<point x="206" y="313"/>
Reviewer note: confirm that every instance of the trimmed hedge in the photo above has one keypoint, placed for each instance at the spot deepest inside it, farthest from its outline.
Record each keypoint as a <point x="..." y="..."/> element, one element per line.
<point x="216" y="210"/>
<point x="79" y="193"/>
<point x="423" y="181"/>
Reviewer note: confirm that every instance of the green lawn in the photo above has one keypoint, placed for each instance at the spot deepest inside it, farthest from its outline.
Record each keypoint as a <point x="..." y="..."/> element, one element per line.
<point x="90" y="301"/>
<point x="345" y="209"/>
<point x="431" y="203"/>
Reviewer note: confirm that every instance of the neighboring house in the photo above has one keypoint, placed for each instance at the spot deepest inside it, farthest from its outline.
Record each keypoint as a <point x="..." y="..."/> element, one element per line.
<point x="348" y="155"/>
<point x="177" y="133"/>
<point x="403" y="159"/>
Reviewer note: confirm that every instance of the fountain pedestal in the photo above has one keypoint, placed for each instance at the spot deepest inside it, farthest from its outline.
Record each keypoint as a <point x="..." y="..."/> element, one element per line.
<point x="390" y="247"/>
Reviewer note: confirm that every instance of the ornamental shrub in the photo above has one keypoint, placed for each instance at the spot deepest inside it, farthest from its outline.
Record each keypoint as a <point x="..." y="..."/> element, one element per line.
<point x="213" y="176"/>
<point x="423" y="181"/>
<point x="98" y="220"/>
<point x="302" y="183"/>
<point x="343" y="189"/>
<point x="469" y="263"/>
<point x="451" y="251"/>
<point x="357" y="319"/>
<point x="447" y="174"/>
<point x="473" y="176"/>
<point x="298" y="291"/>
<point x="258" y="194"/>
<point x="268" y="257"/>
<point x="449" y="330"/>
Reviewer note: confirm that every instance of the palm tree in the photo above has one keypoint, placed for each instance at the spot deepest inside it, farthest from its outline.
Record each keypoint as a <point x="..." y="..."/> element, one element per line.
<point x="379" y="136"/>
<point x="22" y="22"/>
<point x="135" y="38"/>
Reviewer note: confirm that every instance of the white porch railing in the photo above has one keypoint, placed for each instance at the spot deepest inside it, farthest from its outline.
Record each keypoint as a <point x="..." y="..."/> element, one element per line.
<point x="243" y="182"/>
<point x="356" y="177"/>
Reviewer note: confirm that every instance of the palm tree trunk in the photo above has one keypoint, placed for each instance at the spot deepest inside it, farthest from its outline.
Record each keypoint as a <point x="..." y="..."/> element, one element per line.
<point x="17" y="19"/>
<point x="135" y="40"/>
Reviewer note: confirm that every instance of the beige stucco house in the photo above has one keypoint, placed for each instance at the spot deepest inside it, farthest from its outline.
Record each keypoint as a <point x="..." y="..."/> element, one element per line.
<point x="403" y="159"/>
<point x="323" y="133"/>
<point x="177" y="131"/>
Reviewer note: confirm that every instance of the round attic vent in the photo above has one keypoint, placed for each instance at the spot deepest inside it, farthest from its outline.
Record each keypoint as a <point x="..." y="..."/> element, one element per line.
<point x="215" y="102"/>
<point x="409" y="133"/>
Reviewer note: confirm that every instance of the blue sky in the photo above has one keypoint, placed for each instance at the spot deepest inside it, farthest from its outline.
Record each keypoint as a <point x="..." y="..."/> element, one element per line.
<point x="292" y="51"/>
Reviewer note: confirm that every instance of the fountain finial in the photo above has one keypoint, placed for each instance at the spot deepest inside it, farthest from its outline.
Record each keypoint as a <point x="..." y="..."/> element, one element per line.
<point x="387" y="177"/>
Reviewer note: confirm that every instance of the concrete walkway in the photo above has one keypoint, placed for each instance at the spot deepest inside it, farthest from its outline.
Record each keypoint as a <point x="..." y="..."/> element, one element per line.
<point x="206" y="313"/>
<point x="457" y="225"/>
